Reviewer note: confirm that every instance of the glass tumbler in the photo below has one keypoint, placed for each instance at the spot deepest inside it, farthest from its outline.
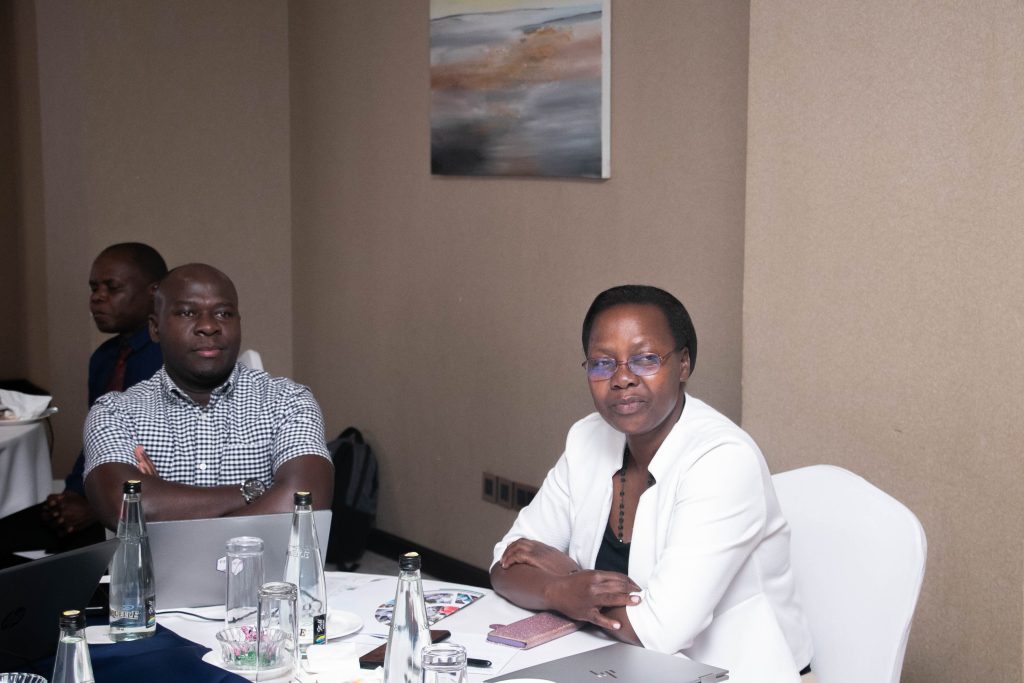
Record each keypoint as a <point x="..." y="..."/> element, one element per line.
<point x="244" y="571"/>
<point x="444" y="663"/>
<point x="277" y="631"/>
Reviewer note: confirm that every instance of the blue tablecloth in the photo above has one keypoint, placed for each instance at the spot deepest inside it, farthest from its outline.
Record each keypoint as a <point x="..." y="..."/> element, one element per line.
<point x="163" y="658"/>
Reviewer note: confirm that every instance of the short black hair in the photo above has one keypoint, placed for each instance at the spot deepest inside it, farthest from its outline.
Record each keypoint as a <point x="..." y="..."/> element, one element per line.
<point x="675" y="313"/>
<point x="147" y="259"/>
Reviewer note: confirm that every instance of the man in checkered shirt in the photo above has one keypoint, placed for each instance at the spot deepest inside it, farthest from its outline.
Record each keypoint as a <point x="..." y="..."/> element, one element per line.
<point x="207" y="436"/>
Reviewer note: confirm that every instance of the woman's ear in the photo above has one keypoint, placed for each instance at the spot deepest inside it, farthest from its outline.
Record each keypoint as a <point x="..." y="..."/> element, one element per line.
<point x="684" y="364"/>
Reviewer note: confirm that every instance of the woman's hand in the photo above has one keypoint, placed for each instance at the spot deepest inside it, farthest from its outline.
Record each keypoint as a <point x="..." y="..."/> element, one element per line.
<point x="536" y="576"/>
<point x="584" y="595"/>
<point x="539" y="555"/>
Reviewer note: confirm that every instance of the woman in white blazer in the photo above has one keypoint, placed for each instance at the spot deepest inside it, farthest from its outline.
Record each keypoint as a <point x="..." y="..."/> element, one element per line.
<point x="659" y="522"/>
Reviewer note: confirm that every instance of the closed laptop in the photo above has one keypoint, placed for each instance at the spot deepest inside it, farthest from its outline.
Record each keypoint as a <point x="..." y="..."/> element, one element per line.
<point x="618" y="662"/>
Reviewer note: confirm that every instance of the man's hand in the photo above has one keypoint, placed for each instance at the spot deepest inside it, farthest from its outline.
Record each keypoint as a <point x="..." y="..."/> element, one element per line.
<point x="68" y="512"/>
<point x="143" y="462"/>
<point x="539" y="555"/>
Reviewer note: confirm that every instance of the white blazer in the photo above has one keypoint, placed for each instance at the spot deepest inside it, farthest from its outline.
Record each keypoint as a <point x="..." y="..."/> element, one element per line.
<point x="710" y="549"/>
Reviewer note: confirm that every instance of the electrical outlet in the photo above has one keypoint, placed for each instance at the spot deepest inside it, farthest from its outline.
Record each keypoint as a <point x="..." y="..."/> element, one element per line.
<point x="504" y="489"/>
<point x="490" y="488"/>
<point x="522" y="494"/>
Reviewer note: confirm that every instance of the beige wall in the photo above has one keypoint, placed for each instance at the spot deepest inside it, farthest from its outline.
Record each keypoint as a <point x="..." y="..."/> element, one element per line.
<point x="882" y="299"/>
<point x="25" y="229"/>
<point x="12" y="308"/>
<point x="442" y="315"/>
<point x="163" y="122"/>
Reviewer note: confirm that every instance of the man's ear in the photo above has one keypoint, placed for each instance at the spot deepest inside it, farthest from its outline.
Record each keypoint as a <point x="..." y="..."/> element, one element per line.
<point x="154" y="329"/>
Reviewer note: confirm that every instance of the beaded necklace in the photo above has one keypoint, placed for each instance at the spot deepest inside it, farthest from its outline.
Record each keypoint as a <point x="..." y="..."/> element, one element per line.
<point x="622" y="491"/>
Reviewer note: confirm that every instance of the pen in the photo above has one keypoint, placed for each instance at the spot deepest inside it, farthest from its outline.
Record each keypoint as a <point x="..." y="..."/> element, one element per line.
<point x="481" y="663"/>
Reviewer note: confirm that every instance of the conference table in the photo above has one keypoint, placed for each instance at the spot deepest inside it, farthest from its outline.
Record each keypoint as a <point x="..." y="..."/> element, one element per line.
<point x="356" y="598"/>
<point x="26" y="477"/>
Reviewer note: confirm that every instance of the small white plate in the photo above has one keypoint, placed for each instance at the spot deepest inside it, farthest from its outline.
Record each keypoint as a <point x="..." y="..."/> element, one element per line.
<point x="52" y="410"/>
<point x="341" y="623"/>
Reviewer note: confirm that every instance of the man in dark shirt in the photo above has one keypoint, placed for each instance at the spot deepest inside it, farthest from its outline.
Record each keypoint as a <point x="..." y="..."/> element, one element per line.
<point x="122" y="282"/>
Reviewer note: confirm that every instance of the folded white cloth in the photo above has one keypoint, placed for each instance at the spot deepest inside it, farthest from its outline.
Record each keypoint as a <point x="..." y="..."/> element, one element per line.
<point x="338" y="661"/>
<point x="15" y="405"/>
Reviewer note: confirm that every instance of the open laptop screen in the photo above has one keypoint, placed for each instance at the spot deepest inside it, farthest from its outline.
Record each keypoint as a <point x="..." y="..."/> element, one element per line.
<point x="33" y="595"/>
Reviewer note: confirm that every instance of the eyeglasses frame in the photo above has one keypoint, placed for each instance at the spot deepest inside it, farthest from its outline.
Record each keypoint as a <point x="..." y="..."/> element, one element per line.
<point x="618" y="363"/>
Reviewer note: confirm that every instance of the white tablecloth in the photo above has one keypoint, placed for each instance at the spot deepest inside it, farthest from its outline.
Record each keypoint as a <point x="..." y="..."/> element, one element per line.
<point x="26" y="477"/>
<point x="361" y="594"/>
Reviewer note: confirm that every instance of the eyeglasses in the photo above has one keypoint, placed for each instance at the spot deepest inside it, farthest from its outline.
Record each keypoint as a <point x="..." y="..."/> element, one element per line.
<point x="644" y="364"/>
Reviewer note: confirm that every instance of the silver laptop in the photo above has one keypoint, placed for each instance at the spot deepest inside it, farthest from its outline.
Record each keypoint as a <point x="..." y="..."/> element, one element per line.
<point x="32" y="596"/>
<point x="619" y="662"/>
<point x="186" y="553"/>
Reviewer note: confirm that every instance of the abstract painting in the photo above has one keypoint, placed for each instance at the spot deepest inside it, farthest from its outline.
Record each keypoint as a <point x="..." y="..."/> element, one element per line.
<point x="520" y="87"/>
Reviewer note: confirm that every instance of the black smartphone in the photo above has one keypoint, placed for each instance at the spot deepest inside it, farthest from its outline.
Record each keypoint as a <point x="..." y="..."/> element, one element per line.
<point x="375" y="657"/>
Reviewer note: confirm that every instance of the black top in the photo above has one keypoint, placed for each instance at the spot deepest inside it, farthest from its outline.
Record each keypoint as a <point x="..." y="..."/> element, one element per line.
<point x="613" y="555"/>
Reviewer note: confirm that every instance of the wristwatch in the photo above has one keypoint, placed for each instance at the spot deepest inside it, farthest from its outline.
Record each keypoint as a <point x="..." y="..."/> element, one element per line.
<point x="252" y="489"/>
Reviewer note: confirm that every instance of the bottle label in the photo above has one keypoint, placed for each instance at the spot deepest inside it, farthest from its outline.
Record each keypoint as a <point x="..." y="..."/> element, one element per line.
<point x="128" y="612"/>
<point x="313" y="630"/>
<point x="136" y="613"/>
<point x="320" y="629"/>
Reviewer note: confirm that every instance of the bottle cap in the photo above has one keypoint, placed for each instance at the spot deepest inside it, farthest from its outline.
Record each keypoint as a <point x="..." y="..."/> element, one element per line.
<point x="133" y="486"/>
<point x="72" y="618"/>
<point x="303" y="498"/>
<point x="409" y="562"/>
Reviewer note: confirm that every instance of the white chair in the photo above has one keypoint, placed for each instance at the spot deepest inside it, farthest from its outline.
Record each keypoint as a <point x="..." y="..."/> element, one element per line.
<point x="251" y="359"/>
<point x="858" y="556"/>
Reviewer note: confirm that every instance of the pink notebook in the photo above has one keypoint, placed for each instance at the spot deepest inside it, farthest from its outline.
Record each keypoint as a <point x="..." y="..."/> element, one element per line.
<point x="532" y="631"/>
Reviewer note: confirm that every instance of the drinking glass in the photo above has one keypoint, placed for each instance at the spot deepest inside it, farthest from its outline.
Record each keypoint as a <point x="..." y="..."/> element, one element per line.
<point x="277" y="631"/>
<point x="444" y="663"/>
<point x="244" y="572"/>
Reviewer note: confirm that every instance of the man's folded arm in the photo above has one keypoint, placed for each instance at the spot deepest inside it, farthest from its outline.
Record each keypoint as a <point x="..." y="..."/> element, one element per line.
<point x="161" y="499"/>
<point x="312" y="473"/>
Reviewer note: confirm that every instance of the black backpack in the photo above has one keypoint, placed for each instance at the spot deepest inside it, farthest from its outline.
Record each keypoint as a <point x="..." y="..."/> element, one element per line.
<point x="355" y="498"/>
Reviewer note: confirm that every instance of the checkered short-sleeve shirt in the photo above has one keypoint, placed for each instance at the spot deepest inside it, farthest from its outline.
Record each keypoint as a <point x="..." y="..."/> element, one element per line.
<point x="252" y="425"/>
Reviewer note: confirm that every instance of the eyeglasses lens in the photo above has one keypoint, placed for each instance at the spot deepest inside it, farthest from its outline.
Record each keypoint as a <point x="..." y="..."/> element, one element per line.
<point x="600" y="368"/>
<point x="643" y="364"/>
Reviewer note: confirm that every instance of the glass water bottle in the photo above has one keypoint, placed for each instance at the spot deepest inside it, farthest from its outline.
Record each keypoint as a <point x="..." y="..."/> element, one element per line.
<point x="409" y="632"/>
<point x="132" y="587"/>
<point x="305" y="569"/>
<point x="72" y="664"/>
